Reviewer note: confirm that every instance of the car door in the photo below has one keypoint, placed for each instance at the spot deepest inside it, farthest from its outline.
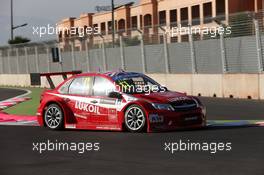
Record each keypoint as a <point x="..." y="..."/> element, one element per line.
<point x="79" y="99"/>
<point x="107" y="114"/>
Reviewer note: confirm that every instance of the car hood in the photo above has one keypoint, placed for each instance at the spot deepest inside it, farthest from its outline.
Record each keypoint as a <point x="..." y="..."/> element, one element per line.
<point x="163" y="97"/>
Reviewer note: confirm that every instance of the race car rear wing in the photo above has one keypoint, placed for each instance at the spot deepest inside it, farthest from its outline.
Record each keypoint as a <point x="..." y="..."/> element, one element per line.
<point x="35" y="78"/>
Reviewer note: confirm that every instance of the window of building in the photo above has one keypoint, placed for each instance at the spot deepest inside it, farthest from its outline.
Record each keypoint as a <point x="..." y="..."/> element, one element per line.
<point x="109" y="27"/>
<point x="76" y="32"/>
<point x="220" y="9"/>
<point x="102" y="86"/>
<point x="95" y="26"/>
<point x="173" y="17"/>
<point x="207" y="12"/>
<point x="162" y="17"/>
<point x="116" y="24"/>
<point x="147" y="20"/>
<point x="85" y="29"/>
<point x="196" y="37"/>
<point x="121" y="25"/>
<point x="196" y="15"/>
<point x="185" y="38"/>
<point x="67" y="33"/>
<point x="184" y="16"/>
<point x="141" y="21"/>
<point x="174" y="39"/>
<point x="134" y="22"/>
<point x="161" y="39"/>
<point x="103" y="28"/>
<point x="60" y="35"/>
<point x="236" y="6"/>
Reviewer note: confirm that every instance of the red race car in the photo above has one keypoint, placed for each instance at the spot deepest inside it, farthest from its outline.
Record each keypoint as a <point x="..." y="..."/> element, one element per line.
<point x="118" y="101"/>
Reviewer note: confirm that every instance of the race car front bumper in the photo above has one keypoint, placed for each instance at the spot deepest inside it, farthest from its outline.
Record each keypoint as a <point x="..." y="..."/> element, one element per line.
<point x="174" y="120"/>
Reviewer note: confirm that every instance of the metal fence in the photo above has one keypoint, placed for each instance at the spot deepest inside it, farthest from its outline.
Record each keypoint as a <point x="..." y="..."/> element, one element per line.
<point x="240" y="52"/>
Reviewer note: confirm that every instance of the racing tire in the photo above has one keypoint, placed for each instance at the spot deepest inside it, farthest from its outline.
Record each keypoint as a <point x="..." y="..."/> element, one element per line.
<point x="135" y="119"/>
<point x="54" y="117"/>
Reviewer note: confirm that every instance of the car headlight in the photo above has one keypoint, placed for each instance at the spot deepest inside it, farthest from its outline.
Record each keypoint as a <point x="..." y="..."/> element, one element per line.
<point x="162" y="106"/>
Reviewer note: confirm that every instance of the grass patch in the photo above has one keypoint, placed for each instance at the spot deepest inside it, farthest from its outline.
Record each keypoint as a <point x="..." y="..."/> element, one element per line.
<point x="29" y="107"/>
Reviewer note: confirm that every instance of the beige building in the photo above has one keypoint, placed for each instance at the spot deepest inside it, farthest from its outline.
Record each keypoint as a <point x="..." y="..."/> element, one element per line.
<point x="149" y="14"/>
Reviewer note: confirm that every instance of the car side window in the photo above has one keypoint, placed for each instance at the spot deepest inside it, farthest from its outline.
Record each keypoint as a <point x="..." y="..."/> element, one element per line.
<point x="81" y="86"/>
<point x="102" y="86"/>
<point x="64" y="89"/>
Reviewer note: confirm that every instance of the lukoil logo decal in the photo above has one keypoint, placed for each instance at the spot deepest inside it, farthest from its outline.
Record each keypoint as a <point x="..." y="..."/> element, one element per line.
<point x="87" y="107"/>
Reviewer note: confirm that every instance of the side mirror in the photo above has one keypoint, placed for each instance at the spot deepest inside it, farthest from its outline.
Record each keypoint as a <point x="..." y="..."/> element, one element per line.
<point x="115" y="95"/>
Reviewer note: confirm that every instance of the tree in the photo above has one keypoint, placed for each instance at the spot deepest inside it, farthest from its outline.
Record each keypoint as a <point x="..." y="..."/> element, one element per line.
<point x="19" y="40"/>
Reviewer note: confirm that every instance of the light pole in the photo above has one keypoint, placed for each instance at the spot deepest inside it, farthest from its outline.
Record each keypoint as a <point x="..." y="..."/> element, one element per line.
<point x="12" y="22"/>
<point x="113" y="23"/>
<point x="12" y="34"/>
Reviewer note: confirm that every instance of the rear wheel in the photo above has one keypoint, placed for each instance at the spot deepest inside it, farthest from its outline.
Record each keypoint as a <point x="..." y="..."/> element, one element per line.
<point x="53" y="117"/>
<point x="135" y="119"/>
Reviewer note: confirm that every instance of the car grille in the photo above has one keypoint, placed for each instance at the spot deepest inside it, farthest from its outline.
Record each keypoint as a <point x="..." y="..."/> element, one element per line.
<point x="183" y="105"/>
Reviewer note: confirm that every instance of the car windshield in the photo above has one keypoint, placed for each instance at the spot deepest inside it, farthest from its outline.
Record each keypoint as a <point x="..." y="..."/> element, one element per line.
<point x="137" y="84"/>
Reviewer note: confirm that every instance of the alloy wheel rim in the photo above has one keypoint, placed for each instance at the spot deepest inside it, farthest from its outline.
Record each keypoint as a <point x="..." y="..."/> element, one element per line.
<point x="135" y="118"/>
<point x="53" y="117"/>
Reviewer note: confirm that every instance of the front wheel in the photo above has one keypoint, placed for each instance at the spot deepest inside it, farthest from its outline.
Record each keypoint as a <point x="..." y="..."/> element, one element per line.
<point x="135" y="119"/>
<point x="53" y="117"/>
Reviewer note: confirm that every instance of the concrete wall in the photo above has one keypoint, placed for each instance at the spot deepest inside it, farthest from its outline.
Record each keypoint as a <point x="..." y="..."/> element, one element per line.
<point x="219" y="85"/>
<point x="15" y="80"/>
<point x="241" y="85"/>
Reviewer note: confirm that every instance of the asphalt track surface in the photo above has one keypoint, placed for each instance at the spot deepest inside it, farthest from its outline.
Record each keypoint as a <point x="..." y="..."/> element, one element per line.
<point x="6" y="93"/>
<point x="128" y="153"/>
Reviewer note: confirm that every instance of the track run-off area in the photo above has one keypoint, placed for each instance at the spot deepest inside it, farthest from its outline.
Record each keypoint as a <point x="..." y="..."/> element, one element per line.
<point x="229" y="121"/>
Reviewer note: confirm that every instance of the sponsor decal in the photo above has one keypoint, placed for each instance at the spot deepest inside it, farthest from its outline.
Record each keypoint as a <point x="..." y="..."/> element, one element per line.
<point x="155" y="118"/>
<point x="87" y="107"/>
<point x="179" y="99"/>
